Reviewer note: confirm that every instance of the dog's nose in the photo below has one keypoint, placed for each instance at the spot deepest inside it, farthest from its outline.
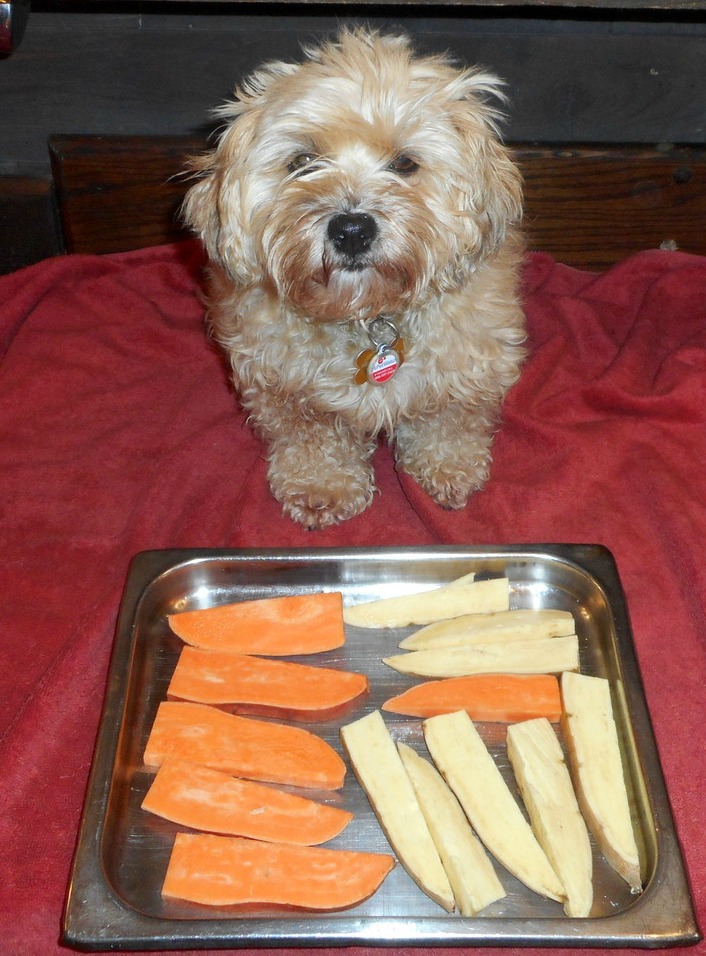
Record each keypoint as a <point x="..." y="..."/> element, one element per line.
<point x="352" y="233"/>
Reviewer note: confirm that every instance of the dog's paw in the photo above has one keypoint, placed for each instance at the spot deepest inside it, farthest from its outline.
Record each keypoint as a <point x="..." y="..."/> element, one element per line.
<point x="321" y="475"/>
<point x="452" y="498"/>
<point x="448" y="456"/>
<point x="451" y="493"/>
<point x="449" y="483"/>
<point x="315" y="505"/>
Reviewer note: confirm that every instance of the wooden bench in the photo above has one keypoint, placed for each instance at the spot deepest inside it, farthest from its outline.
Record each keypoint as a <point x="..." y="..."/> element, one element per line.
<point x="587" y="205"/>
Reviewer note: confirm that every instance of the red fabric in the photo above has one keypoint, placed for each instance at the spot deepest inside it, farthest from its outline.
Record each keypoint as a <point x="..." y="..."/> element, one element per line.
<point x="119" y="433"/>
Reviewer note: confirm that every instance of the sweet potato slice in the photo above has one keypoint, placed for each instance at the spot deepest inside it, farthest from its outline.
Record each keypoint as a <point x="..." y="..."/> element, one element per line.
<point x="378" y="766"/>
<point x="550" y="655"/>
<point x="274" y="627"/>
<point x="204" y="799"/>
<point x="537" y="760"/>
<point x="451" y="600"/>
<point x="256" y="685"/>
<point x="461" y="756"/>
<point x="525" y="624"/>
<point x="230" y="871"/>
<point x="596" y="763"/>
<point x="471" y="874"/>
<point x="506" y="698"/>
<point x="243" y="746"/>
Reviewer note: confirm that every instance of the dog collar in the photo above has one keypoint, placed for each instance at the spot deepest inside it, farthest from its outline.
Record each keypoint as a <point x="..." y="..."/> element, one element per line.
<point x="378" y="364"/>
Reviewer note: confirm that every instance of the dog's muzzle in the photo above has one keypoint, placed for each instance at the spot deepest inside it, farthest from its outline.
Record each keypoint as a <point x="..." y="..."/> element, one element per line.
<point x="351" y="235"/>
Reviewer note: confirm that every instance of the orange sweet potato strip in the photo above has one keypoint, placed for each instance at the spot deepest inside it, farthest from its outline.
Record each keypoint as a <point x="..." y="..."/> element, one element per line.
<point x="256" y="685"/>
<point x="274" y="627"/>
<point x="243" y="746"/>
<point x="494" y="697"/>
<point x="203" y="799"/>
<point x="231" y="871"/>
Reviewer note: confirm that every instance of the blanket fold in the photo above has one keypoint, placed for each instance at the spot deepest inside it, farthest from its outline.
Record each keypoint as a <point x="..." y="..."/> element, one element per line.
<point x="119" y="432"/>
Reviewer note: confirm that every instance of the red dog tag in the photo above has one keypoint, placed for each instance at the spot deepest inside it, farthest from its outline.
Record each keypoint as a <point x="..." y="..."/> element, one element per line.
<point x="378" y="365"/>
<point x="382" y="366"/>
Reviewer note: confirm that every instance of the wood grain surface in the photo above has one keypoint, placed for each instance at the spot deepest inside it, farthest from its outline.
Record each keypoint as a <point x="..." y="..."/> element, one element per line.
<point x="589" y="206"/>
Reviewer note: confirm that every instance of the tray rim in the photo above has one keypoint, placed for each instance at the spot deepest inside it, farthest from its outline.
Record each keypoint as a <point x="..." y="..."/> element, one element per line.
<point x="126" y="928"/>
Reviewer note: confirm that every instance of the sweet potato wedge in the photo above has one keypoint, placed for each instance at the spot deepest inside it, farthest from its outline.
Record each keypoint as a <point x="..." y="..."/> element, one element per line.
<point x="550" y="655"/>
<point x="274" y="627"/>
<point x="204" y="799"/>
<point x="244" y="746"/>
<point x="516" y="625"/>
<point x="596" y="764"/>
<point x="464" y="761"/>
<point x="505" y="698"/>
<point x="378" y="766"/>
<point x="256" y="685"/>
<point x="451" y="600"/>
<point x="231" y="871"/>
<point x="538" y="763"/>
<point x="471" y="874"/>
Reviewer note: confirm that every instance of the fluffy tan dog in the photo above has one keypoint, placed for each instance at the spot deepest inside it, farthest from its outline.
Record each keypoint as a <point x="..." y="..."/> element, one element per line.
<point x="360" y="213"/>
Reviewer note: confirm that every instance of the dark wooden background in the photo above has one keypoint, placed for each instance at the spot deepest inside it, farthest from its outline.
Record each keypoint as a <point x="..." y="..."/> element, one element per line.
<point x="606" y="73"/>
<point x="589" y="206"/>
<point x="573" y="74"/>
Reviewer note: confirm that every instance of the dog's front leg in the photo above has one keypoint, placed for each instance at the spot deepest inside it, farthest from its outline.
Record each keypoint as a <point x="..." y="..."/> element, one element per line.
<point x="447" y="452"/>
<point x="319" y="468"/>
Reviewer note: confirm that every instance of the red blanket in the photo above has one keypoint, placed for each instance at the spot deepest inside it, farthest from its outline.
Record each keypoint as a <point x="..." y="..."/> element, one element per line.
<point x="119" y="433"/>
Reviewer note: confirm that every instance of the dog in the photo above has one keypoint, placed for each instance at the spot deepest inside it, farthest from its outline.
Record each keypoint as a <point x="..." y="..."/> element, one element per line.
<point x="362" y="219"/>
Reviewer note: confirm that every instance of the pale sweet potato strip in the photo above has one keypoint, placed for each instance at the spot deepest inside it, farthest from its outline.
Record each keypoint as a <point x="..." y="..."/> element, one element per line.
<point x="231" y="871"/>
<point x="204" y="799"/>
<point x="550" y="655"/>
<point x="274" y="627"/>
<point x="243" y="746"/>
<point x="424" y="607"/>
<point x="256" y="685"/>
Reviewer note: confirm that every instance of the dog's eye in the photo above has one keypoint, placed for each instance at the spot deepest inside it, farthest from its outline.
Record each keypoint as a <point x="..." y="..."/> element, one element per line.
<point x="302" y="163"/>
<point x="403" y="165"/>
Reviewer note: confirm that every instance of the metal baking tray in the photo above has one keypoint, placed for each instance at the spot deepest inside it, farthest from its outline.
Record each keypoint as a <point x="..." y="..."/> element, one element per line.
<point x="114" y="897"/>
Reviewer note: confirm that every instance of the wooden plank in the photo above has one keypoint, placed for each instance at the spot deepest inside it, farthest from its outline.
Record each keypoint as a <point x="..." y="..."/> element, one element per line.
<point x="619" y="6"/>
<point x="119" y="192"/>
<point x="592" y="206"/>
<point x="29" y="228"/>
<point x="576" y="80"/>
<point x="588" y="206"/>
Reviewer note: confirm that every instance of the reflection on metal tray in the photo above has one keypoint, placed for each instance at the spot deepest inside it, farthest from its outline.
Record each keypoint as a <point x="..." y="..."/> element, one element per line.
<point x="114" y="899"/>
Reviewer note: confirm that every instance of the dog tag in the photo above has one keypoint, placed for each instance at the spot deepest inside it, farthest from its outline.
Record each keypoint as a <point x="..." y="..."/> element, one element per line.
<point x="378" y="364"/>
<point x="382" y="366"/>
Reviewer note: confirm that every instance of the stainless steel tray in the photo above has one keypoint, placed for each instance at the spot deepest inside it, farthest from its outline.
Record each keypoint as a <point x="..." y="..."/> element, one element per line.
<point x="114" y="897"/>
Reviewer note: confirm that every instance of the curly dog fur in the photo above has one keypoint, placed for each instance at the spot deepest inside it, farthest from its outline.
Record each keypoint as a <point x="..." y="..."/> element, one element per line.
<point x="364" y="182"/>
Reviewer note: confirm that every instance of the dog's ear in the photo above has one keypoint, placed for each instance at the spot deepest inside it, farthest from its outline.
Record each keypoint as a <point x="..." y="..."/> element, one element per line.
<point x="214" y="206"/>
<point x="493" y="195"/>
